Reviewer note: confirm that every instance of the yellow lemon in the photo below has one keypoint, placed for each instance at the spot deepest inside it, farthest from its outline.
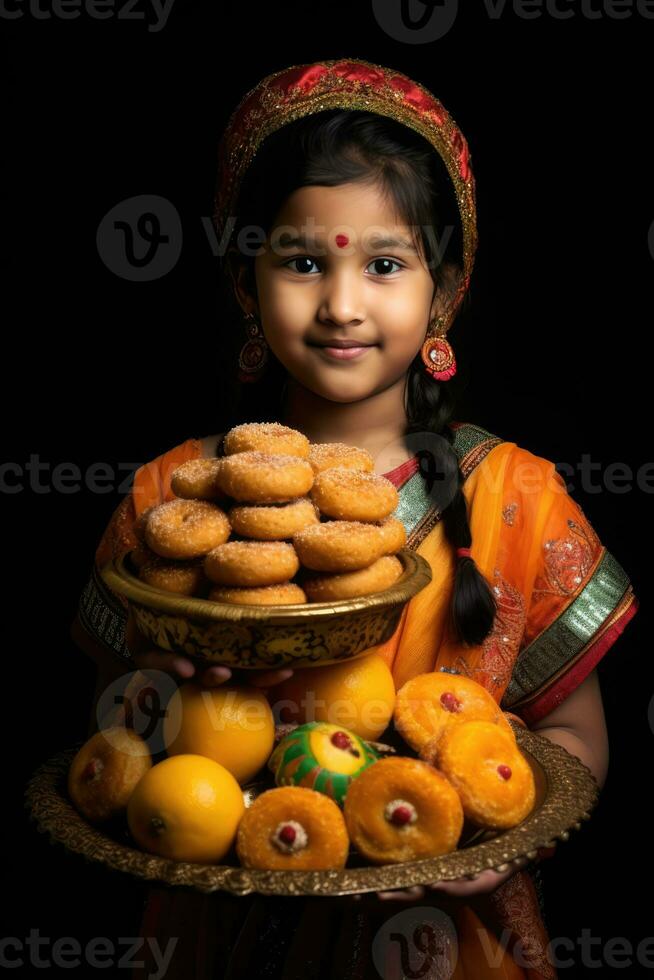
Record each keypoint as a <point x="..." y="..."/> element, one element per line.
<point x="231" y="724"/>
<point x="356" y="694"/>
<point x="187" y="808"/>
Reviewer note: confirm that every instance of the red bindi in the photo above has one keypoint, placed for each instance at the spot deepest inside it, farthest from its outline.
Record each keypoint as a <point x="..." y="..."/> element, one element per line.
<point x="342" y="240"/>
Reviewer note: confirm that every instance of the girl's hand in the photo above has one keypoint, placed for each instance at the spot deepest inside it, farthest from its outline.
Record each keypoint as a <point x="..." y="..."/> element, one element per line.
<point x="482" y="884"/>
<point x="145" y="656"/>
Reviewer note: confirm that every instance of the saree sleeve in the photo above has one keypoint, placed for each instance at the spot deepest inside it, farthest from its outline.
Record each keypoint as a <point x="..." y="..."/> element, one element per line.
<point x="102" y="613"/>
<point x="579" y="599"/>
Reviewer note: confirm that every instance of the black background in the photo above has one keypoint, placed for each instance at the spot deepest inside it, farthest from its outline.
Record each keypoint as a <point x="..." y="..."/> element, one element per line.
<point x="557" y="114"/>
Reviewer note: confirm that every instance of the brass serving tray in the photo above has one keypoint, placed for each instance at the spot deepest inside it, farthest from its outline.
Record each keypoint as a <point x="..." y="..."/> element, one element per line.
<point x="265" y="637"/>
<point x="566" y="793"/>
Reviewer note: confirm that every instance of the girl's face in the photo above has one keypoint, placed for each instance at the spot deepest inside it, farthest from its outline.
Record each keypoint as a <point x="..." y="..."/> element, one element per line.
<point x="340" y="281"/>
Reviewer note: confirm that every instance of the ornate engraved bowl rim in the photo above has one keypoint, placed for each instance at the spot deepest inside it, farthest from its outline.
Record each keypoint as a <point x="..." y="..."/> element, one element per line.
<point x="416" y="575"/>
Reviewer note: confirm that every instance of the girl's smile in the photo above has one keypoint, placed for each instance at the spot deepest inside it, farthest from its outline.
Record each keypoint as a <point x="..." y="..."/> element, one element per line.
<point x="344" y="353"/>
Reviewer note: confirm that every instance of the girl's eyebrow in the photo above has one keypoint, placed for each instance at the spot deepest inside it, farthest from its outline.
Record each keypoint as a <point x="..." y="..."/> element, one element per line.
<point x="376" y="243"/>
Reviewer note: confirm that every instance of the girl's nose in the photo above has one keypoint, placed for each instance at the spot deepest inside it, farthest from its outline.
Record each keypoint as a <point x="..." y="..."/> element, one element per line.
<point x="343" y="300"/>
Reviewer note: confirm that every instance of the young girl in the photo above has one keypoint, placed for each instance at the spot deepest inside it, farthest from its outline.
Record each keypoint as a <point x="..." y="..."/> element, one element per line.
<point x="346" y="221"/>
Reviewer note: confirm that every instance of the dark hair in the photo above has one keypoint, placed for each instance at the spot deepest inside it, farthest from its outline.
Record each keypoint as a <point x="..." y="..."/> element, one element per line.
<point x="330" y="148"/>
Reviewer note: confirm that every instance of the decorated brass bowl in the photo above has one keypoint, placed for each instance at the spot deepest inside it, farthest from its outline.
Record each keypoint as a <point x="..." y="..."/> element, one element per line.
<point x="299" y="635"/>
<point x="566" y="793"/>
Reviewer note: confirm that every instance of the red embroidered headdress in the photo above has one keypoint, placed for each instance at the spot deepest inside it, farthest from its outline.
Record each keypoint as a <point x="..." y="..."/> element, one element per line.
<point x="349" y="83"/>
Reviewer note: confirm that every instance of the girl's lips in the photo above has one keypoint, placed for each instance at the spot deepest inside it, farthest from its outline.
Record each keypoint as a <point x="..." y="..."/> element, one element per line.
<point x="344" y="353"/>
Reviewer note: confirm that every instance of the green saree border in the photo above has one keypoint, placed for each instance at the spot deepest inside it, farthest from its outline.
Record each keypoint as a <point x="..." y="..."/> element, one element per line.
<point x="574" y="630"/>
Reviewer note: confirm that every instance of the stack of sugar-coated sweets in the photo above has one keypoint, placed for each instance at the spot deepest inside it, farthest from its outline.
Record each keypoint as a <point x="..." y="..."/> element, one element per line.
<point x="276" y="520"/>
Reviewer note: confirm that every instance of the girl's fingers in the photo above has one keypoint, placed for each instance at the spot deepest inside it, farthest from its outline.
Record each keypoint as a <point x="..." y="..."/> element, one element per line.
<point x="171" y="663"/>
<point x="267" y="678"/>
<point x="404" y="895"/>
<point x="213" y="676"/>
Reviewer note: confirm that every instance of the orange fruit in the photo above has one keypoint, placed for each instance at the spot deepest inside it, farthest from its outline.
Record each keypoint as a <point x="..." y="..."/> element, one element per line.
<point x="428" y="704"/>
<point x="231" y="724"/>
<point x="187" y="808"/>
<point x="104" y="772"/>
<point x="356" y="694"/>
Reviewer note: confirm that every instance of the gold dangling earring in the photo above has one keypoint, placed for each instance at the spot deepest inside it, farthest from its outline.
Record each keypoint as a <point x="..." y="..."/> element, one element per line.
<point x="253" y="356"/>
<point x="437" y="355"/>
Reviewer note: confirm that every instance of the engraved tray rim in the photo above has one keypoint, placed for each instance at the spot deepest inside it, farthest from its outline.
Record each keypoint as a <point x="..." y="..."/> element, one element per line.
<point x="571" y="793"/>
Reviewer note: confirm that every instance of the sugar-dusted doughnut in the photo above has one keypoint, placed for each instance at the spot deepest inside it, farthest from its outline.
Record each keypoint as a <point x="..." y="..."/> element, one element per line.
<point x="186" y="528"/>
<point x="292" y="828"/>
<point x="141" y="555"/>
<point x="491" y="775"/>
<point x="183" y="577"/>
<point x="350" y="495"/>
<point x="251" y="563"/>
<point x="429" y="703"/>
<point x="265" y="478"/>
<point x="196" y="479"/>
<point x="348" y="585"/>
<point x="393" y="534"/>
<point x="325" y="455"/>
<point x="138" y="527"/>
<point x="266" y="437"/>
<point x="284" y="594"/>
<point x="338" y="546"/>
<point x="273" y="522"/>
<point x="402" y="809"/>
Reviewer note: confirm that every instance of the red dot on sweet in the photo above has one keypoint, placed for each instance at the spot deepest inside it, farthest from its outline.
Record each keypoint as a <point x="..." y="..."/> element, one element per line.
<point x="92" y="770"/>
<point x="341" y="740"/>
<point x="401" y="815"/>
<point x="287" y="834"/>
<point x="450" y="702"/>
<point x="504" y="771"/>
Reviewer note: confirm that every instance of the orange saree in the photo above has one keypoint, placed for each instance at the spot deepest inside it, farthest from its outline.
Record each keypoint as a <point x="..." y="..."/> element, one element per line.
<point x="563" y="600"/>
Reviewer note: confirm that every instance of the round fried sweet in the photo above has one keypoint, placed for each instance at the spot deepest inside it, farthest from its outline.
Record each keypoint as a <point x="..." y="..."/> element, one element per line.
<point x="266" y="437"/>
<point x="284" y="594"/>
<point x="182" y="577"/>
<point x="138" y="527"/>
<point x="428" y="703"/>
<point x="491" y="775"/>
<point x="105" y="772"/>
<point x="292" y="828"/>
<point x="186" y="528"/>
<point x="249" y="563"/>
<point x="393" y="534"/>
<point x="265" y="478"/>
<point x="196" y="479"/>
<point x="339" y="546"/>
<point x="273" y="522"/>
<point x="141" y="555"/>
<point x="402" y="809"/>
<point x="349" y="585"/>
<point x="350" y="495"/>
<point x="325" y="455"/>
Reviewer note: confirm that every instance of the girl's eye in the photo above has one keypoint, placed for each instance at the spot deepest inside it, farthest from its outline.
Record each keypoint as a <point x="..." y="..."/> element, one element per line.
<point x="305" y="258"/>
